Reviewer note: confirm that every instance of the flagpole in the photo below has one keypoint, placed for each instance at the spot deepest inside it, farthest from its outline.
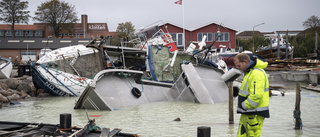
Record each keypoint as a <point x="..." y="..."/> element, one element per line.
<point x="183" y="31"/>
<point x="184" y="36"/>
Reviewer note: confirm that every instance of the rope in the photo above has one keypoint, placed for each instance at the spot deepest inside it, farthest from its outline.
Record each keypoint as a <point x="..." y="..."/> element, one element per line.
<point x="126" y="76"/>
<point x="67" y="128"/>
<point x="58" y="79"/>
<point x="60" y="73"/>
<point x="296" y="115"/>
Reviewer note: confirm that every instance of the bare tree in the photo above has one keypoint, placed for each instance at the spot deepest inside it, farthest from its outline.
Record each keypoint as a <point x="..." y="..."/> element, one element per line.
<point x="12" y="11"/>
<point x="61" y="16"/>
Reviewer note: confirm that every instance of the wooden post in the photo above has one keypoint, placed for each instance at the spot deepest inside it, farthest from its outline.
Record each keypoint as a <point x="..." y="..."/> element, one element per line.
<point x="65" y="121"/>
<point x="231" y="120"/>
<point x="296" y="112"/>
<point x="204" y="132"/>
<point x="101" y="55"/>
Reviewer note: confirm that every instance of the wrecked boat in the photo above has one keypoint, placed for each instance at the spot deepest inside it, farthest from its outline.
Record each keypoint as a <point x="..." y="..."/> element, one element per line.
<point x="5" y="68"/>
<point x="113" y="77"/>
<point x="113" y="89"/>
<point x="67" y="71"/>
<point x="279" y="48"/>
<point x="168" y="77"/>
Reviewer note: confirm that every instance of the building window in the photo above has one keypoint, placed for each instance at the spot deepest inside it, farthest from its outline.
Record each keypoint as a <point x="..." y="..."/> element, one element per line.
<point x="49" y="28"/>
<point x="38" y="33"/>
<point x="29" y="33"/>
<point x="177" y="37"/>
<point x="201" y="35"/>
<point x="224" y="36"/>
<point x="27" y="55"/>
<point x="28" y="52"/>
<point x="1" y="33"/>
<point x="19" y="33"/>
<point x="8" y="33"/>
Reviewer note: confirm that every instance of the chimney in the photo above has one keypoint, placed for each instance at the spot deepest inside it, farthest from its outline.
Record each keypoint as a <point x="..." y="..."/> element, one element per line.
<point x="84" y="22"/>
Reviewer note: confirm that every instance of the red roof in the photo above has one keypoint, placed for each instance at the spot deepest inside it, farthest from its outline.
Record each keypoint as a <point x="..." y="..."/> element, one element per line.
<point x="21" y="27"/>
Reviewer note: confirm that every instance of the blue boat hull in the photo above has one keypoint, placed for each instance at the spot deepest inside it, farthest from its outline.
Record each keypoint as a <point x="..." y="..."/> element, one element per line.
<point x="40" y="82"/>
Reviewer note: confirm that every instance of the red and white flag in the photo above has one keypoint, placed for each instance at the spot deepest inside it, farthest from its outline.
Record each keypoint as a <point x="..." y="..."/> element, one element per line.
<point x="178" y="2"/>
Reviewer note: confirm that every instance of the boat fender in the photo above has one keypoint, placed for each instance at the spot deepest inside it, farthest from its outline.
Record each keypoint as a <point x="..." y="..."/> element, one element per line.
<point x="231" y="75"/>
<point x="136" y="92"/>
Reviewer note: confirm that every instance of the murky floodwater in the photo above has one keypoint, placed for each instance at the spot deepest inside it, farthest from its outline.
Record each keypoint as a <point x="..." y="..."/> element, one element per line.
<point x="156" y="119"/>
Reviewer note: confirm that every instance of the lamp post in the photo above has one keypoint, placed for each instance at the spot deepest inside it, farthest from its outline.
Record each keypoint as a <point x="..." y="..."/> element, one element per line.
<point x="253" y="35"/>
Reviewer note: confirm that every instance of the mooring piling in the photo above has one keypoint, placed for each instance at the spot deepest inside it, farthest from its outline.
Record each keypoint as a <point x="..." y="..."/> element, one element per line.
<point x="65" y="121"/>
<point x="204" y="131"/>
<point x="231" y="120"/>
<point x="297" y="112"/>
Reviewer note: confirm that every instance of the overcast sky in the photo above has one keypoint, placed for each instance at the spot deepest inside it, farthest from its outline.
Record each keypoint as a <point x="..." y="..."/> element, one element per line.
<point x="239" y="15"/>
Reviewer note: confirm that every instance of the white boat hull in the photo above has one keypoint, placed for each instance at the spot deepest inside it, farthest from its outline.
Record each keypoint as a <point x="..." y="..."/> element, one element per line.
<point x="5" y="68"/>
<point x="72" y="85"/>
<point x="112" y="89"/>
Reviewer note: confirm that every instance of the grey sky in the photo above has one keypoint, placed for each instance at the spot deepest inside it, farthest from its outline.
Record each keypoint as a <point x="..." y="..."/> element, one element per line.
<point x="240" y="15"/>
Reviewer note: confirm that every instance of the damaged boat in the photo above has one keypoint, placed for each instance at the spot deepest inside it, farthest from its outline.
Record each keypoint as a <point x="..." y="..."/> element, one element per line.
<point x="67" y="71"/>
<point x="113" y="89"/>
<point x="5" y="68"/>
<point x="279" y="47"/>
<point x="168" y="77"/>
<point x="106" y="77"/>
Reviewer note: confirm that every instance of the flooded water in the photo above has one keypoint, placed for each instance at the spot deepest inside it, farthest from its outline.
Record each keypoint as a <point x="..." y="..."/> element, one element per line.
<point x="156" y="119"/>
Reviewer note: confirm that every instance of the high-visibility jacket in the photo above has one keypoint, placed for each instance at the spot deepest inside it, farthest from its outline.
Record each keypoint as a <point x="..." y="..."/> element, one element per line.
<point x="254" y="91"/>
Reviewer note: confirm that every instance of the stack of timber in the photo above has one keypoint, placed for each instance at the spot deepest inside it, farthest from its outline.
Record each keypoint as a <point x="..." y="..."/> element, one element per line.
<point x="295" y="64"/>
<point x="265" y="54"/>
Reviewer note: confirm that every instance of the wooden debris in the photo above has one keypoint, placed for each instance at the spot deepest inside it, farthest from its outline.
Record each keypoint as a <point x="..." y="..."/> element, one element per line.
<point x="295" y="64"/>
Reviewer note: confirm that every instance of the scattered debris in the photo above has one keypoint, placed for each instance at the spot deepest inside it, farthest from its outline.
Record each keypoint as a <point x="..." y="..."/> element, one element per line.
<point x="177" y="119"/>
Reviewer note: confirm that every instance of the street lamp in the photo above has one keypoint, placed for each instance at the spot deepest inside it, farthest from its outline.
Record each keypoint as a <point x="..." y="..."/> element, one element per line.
<point x="253" y="35"/>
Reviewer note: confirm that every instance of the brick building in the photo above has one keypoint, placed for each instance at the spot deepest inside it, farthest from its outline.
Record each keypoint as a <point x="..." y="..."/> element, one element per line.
<point x="28" y="40"/>
<point x="40" y="30"/>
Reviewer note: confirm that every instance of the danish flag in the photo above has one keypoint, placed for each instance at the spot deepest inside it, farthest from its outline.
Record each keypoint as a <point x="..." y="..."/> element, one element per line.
<point x="178" y="2"/>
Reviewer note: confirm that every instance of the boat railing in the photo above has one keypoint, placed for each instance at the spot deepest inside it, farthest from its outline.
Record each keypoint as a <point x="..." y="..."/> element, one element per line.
<point x="135" y="43"/>
<point x="76" y="53"/>
<point x="126" y="73"/>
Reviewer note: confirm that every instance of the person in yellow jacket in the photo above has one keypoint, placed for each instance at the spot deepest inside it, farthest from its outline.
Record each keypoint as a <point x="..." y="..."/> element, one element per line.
<point x="253" y="99"/>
